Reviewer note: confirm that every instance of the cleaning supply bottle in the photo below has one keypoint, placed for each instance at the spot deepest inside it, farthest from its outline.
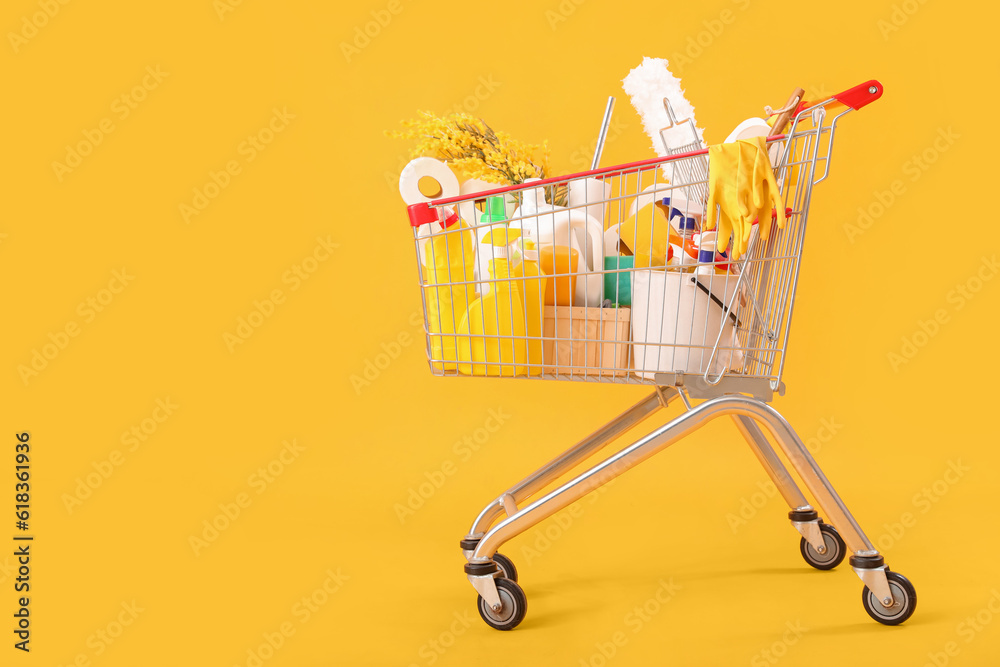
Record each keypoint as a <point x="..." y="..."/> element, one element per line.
<point x="494" y="212"/>
<point x="533" y="292"/>
<point x="448" y="266"/>
<point x="707" y="257"/>
<point x="551" y="225"/>
<point x="493" y="330"/>
<point x="646" y="234"/>
<point x="686" y="227"/>
<point x="560" y="263"/>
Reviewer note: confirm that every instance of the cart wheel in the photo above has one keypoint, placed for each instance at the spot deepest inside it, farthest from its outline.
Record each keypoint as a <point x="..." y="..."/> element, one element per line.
<point x="904" y="601"/>
<point x="506" y="565"/>
<point x="835" y="549"/>
<point x="513" y="605"/>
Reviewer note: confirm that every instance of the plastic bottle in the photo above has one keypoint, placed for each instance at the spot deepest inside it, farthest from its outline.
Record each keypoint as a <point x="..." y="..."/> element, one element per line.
<point x="560" y="263"/>
<point x="533" y="292"/>
<point x="493" y="330"/>
<point x="686" y="227"/>
<point x="551" y="225"/>
<point x="494" y="212"/>
<point x="707" y="257"/>
<point x="449" y="274"/>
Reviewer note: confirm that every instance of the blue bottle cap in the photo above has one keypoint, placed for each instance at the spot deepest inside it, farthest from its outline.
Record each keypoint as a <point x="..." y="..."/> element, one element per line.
<point x="685" y="223"/>
<point x="706" y="256"/>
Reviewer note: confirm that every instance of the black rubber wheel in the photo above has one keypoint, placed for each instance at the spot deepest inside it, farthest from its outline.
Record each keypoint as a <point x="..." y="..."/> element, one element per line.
<point x="835" y="549"/>
<point x="513" y="606"/>
<point x="904" y="601"/>
<point x="506" y="565"/>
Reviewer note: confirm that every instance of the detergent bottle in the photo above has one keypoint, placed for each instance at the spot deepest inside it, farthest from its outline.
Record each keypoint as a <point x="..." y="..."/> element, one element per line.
<point x="533" y="293"/>
<point x="491" y="337"/>
<point x="560" y="263"/>
<point x="448" y="266"/>
<point x="550" y="226"/>
<point x="494" y="212"/>
<point x="686" y="229"/>
<point x="707" y="255"/>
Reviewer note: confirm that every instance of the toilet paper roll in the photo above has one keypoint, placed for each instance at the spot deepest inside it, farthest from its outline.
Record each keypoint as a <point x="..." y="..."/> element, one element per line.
<point x="409" y="180"/>
<point x="592" y="194"/>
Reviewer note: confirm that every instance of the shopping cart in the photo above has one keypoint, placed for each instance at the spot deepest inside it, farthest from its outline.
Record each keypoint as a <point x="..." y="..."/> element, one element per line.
<point x="711" y="336"/>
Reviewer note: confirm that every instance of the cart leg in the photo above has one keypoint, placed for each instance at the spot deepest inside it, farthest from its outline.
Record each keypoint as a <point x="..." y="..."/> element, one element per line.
<point x="866" y="561"/>
<point x="802" y="516"/>
<point x="509" y="500"/>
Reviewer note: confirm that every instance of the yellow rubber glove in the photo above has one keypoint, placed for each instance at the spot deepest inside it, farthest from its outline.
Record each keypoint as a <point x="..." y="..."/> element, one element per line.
<point x="741" y="183"/>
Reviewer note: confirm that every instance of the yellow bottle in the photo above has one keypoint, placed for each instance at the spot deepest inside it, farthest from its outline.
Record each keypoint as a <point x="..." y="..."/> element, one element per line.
<point x="448" y="263"/>
<point x="559" y="261"/>
<point x="533" y="291"/>
<point x="646" y="233"/>
<point x="493" y="330"/>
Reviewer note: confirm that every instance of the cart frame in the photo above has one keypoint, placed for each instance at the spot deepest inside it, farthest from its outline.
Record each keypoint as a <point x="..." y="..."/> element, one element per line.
<point x="888" y="597"/>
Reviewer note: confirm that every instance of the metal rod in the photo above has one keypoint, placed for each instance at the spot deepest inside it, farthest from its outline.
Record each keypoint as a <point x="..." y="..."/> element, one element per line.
<point x="769" y="460"/>
<point x="664" y="436"/>
<point x="572" y="456"/>
<point x="604" y="133"/>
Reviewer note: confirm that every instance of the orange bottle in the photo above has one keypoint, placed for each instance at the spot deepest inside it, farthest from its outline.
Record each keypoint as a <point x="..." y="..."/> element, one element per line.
<point x="559" y="261"/>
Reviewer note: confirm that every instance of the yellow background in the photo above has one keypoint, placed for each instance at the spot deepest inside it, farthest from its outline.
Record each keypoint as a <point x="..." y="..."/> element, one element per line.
<point x="330" y="174"/>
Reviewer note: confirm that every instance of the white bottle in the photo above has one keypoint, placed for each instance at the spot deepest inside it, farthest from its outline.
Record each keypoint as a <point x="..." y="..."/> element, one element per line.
<point x="547" y="224"/>
<point x="706" y="254"/>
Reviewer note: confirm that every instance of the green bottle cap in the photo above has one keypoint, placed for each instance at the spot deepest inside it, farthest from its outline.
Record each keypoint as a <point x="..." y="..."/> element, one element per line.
<point x="496" y="210"/>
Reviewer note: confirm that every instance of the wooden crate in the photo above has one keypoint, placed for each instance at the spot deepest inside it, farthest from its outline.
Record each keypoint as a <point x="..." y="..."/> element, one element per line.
<point x="585" y="341"/>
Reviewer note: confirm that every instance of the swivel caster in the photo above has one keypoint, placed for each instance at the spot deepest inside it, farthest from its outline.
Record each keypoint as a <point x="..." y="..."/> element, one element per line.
<point x="506" y="565"/>
<point x="835" y="549"/>
<point x="513" y="606"/>
<point x="904" y="601"/>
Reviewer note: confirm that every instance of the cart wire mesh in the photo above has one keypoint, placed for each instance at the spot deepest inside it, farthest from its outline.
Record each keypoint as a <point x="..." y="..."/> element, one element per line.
<point x="571" y="304"/>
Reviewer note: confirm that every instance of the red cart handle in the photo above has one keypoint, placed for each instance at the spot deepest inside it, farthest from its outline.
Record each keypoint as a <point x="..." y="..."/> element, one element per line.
<point x="862" y="95"/>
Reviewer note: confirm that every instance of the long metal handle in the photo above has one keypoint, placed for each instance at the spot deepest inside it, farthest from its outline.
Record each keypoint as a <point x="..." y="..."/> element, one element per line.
<point x="604" y="133"/>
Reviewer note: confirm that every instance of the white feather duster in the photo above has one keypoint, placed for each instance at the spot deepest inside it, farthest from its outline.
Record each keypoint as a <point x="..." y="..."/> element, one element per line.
<point x="646" y="86"/>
